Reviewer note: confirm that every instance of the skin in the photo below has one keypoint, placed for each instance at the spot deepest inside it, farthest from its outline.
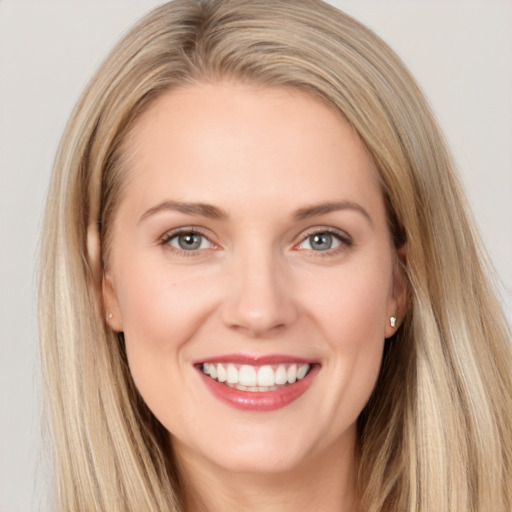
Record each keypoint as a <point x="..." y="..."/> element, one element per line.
<point x="255" y="286"/>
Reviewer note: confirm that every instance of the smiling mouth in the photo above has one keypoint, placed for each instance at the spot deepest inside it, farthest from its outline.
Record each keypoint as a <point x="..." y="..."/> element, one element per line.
<point x="257" y="383"/>
<point x="262" y="378"/>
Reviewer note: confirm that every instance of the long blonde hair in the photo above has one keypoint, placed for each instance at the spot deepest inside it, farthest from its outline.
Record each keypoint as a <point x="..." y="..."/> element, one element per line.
<point x="436" y="434"/>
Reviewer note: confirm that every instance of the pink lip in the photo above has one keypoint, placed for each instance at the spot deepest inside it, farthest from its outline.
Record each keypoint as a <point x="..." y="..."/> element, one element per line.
<point x="255" y="360"/>
<point x="262" y="401"/>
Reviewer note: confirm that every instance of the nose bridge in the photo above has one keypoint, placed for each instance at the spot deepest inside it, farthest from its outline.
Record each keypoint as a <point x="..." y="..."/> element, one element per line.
<point x="259" y="297"/>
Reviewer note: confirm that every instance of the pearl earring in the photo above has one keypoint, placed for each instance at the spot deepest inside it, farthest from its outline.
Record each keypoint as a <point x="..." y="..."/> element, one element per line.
<point x="392" y="321"/>
<point x="109" y="316"/>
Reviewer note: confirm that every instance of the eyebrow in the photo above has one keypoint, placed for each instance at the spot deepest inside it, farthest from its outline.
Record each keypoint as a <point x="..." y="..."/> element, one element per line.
<point x="203" y="209"/>
<point x="213" y="212"/>
<point x="324" y="208"/>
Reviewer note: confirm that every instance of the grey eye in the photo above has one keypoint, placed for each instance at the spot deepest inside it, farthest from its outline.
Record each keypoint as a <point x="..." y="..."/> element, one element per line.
<point x="320" y="241"/>
<point x="189" y="241"/>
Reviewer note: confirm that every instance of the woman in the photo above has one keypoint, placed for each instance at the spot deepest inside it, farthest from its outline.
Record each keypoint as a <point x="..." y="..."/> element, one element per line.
<point x="260" y="288"/>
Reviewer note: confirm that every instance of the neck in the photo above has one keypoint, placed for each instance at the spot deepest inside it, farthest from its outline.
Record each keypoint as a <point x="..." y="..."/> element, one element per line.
<point x="326" y="482"/>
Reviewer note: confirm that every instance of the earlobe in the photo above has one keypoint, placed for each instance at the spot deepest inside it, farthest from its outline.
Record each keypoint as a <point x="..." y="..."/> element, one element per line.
<point x="113" y="315"/>
<point x="400" y="295"/>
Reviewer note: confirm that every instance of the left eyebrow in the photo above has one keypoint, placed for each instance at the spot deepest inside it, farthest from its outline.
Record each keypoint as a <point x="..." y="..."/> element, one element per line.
<point x="202" y="209"/>
<point x="324" y="208"/>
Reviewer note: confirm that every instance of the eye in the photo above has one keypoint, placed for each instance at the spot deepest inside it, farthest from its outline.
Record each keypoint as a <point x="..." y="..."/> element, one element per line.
<point x="322" y="241"/>
<point x="188" y="241"/>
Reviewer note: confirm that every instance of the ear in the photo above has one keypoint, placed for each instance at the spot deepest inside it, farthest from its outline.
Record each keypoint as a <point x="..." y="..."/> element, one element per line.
<point x="399" y="300"/>
<point x="113" y="315"/>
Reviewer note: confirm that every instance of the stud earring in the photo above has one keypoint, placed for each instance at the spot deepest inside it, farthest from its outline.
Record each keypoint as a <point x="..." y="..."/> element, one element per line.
<point x="392" y="321"/>
<point x="109" y="316"/>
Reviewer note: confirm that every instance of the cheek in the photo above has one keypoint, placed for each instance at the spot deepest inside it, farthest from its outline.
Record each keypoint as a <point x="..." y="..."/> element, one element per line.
<point x="161" y="313"/>
<point x="352" y="318"/>
<point x="156" y="301"/>
<point x="350" y="304"/>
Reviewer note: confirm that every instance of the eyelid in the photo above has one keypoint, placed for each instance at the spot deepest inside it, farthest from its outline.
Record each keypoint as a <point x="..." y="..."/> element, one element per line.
<point x="182" y="230"/>
<point x="342" y="236"/>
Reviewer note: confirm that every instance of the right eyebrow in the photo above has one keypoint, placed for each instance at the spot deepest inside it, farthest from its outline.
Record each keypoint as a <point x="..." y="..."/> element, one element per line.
<point x="328" y="207"/>
<point x="202" y="209"/>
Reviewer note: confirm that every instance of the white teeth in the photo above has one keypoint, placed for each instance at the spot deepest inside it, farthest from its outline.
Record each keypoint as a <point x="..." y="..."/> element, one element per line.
<point x="221" y="373"/>
<point x="281" y="375"/>
<point x="292" y="374"/>
<point x="266" y="376"/>
<point x="247" y="376"/>
<point x="253" y="378"/>
<point x="301" y="371"/>
<point x="232" y="374"/>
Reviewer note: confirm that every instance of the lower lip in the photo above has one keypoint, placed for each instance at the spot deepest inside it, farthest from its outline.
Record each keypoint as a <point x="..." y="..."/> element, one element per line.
<point x="260" y="401"/>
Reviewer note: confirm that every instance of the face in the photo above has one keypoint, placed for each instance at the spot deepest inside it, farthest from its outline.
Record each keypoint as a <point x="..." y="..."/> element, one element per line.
<point x="253" y="275"/>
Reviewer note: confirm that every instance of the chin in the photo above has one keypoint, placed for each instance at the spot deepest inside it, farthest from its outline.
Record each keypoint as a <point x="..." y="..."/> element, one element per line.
<point x="257" y="449"/>
<point x="253" y="460"/>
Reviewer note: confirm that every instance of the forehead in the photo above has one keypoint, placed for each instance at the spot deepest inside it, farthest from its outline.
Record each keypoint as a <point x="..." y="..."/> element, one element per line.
<point x="223" y="142"/>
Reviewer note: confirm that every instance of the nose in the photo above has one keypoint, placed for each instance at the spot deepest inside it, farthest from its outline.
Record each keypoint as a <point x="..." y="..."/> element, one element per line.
<point x="260" y="299"/>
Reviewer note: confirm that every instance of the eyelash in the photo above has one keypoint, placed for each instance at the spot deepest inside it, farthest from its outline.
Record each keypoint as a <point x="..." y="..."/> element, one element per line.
<point x="191" y="230"/>
<point x="345" y="241"/>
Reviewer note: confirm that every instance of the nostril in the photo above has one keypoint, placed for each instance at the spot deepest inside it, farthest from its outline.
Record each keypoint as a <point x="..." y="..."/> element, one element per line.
<point x="259" y="315"/>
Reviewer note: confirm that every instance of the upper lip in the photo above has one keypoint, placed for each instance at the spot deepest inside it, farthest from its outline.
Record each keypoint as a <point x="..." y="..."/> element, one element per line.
<point x="255" y="360"/>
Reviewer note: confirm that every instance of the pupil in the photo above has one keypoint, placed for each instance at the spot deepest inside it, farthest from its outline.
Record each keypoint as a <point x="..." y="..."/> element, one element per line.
<point x="321" y="241"/>
<point x="189" y="241"/>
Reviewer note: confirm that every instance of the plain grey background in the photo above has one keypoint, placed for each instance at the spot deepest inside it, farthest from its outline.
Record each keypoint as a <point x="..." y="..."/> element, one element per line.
<point x="459" y="50"/>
